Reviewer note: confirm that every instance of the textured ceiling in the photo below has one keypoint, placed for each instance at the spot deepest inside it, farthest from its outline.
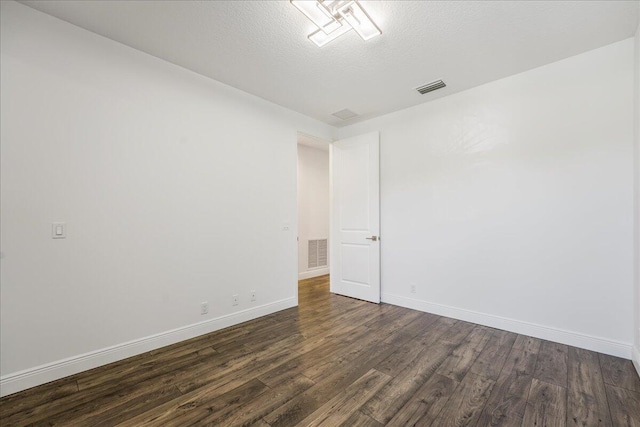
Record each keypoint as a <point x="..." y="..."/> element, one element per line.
<point x="261" y="47"/>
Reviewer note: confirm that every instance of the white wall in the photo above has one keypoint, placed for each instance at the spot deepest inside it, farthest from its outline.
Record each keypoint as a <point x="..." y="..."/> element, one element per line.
<point x="636" y="353"/>
<point x="175" y="189"/>
<point x="511" y="204"/>
<point x="313" y="205"/>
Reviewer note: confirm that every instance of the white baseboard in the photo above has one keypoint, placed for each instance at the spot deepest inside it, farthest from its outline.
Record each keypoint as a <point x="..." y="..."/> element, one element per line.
<point x="636" y="359"/>
<point x="22" y="380"/>
<point x="601" y="345"/>
<point x="313" y="273"/>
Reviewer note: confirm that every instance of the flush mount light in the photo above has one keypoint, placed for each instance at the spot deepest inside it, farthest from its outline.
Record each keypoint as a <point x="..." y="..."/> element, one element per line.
<point x="335" y="18"/>
<point x="318" y="13"/>
<point x="355" y="15"/>
<point x="320" y="38"/>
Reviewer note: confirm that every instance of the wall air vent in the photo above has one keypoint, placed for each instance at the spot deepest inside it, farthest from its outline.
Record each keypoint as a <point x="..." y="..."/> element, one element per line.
<point x="430" y="87"/>
<point x="345" y="114"/>
<point x="317" y="253"/>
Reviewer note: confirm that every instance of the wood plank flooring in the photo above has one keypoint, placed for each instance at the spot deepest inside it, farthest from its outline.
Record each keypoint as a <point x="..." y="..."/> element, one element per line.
<point x="336" y="361"/>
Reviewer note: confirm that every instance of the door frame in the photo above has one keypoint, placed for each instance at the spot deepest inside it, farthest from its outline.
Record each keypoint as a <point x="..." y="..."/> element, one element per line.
<point x="295" y="224"/>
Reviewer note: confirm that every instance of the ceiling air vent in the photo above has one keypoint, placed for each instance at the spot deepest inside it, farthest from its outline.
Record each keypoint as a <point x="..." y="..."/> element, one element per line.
<point x="430" y="87"/>
<point x="345" y="114"/>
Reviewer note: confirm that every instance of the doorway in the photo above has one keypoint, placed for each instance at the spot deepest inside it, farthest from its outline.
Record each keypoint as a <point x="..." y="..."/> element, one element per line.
<point x="313" y="206"/>
<point x="338" y="201"/>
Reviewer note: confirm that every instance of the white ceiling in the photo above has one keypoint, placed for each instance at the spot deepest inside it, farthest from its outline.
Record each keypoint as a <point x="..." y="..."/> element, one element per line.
<point x="261" y="47"/>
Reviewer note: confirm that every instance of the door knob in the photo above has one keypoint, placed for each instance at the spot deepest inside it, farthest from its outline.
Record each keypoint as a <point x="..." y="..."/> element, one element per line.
<point x="374" y="238"/>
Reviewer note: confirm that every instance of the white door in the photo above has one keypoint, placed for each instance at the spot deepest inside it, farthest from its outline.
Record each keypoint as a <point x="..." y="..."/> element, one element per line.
<point x="355" y="217"/>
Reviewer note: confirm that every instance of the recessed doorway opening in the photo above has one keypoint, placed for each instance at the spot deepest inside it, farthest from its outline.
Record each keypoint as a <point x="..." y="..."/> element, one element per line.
<point x="313" y="206"/>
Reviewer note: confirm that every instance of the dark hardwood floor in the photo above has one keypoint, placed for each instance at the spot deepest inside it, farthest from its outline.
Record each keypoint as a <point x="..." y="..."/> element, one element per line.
<point x="336" y="361"/>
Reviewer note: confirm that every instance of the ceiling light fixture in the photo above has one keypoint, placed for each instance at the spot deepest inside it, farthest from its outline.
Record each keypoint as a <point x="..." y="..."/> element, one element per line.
<point x="335" y="18"/>
<point x="320" y="38"/>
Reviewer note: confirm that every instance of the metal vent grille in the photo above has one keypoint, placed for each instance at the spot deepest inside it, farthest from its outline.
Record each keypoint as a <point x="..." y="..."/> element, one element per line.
<point x="345" y="114"/>
<point x="317" y="256"/>
<point x="430" y="87"/>
<point x="322" y="253"/>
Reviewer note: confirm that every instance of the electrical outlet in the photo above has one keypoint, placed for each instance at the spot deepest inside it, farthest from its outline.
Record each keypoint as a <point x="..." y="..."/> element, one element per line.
<point x="253" y="295"/>
<point x="204" y="308"/>
<point x="236" y="300"/>
<point x="413" y="288"/>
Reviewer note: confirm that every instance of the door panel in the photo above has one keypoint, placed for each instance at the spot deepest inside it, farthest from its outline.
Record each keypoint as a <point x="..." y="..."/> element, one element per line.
<point x="355" y="217"/>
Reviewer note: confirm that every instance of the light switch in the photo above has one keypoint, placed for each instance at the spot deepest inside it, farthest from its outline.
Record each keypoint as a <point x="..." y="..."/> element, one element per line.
<point x="59" y="230"/>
